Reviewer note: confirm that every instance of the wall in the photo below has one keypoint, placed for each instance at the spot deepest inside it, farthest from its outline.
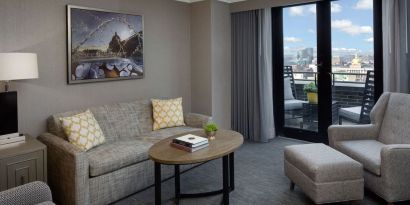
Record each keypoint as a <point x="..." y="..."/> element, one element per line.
<point x="201" y="83"/>
<point x="211" y="60"/>
<point x="259" y="4"/>
<point x="221" y="63"/>
<point x="40" y="26"/>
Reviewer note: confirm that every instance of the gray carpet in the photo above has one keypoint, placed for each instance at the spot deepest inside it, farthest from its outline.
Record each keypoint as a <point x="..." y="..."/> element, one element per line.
<point x="259" y="180"/>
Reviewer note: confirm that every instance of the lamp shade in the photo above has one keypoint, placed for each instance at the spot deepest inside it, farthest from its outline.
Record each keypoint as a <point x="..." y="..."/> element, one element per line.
<point x="18" y="66"/>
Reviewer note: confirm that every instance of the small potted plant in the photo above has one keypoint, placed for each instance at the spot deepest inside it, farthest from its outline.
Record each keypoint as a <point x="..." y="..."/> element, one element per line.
<point x="210" y="130"/>
<point x="311" y="91"/>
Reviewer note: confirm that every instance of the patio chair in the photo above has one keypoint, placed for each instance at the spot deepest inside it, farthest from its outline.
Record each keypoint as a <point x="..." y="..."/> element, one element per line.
<point x="361" y="114"/>
<point x="293" y="106"/>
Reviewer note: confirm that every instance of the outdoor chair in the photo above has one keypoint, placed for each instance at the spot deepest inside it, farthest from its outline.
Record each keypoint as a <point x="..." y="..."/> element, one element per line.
<point x="360" y="114"/>
<point x="293" y="106"/>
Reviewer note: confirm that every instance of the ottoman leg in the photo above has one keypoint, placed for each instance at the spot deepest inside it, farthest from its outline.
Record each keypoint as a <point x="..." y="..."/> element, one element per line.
<point x="292" y="185"/>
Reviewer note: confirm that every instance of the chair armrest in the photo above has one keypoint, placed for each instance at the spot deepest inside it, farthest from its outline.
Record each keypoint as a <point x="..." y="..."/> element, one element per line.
<point x="351" y="132"/>
<point x="31" y="193"/>
<point x="395" y="165"/>
<point x="196" y="120"/>
<point x="68" y="170"/>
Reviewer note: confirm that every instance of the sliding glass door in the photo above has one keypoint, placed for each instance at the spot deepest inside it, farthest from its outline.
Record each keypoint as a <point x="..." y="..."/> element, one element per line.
<point x="300" y="67"/>
<point x="324" y="66"/>
<point x="353" y="79"/>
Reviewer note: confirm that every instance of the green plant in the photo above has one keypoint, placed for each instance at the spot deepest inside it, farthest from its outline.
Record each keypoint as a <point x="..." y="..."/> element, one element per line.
<point x="210" y="127"/>
<point x="310" y="88"/>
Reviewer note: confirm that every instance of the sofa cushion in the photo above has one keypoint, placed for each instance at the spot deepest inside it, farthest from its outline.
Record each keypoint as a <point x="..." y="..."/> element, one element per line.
<point x="366" y="152"/>
<point x="117" y="121"/>
<point x="157" y="135"/>
<point x="396" y="121"/>
<point x="167" y="113"/>
<point x="116" y="155"/>
<point x="322" y="163"/>
<point x="82" y="130"/>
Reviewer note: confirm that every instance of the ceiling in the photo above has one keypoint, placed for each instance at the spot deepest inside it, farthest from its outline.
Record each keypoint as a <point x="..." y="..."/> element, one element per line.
<point x="227" y="1"/>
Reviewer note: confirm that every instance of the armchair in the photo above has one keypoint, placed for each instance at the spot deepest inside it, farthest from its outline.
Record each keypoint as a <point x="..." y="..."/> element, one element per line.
<point x="28" y="194"/>
<point x="383" y="146"/>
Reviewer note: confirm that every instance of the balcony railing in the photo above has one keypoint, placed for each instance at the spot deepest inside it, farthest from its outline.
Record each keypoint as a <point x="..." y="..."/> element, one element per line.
<point x="347" y="92"/>
<point x="334" y="79"/>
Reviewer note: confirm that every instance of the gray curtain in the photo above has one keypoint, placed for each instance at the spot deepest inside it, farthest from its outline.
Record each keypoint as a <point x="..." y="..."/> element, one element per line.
<point x="396" y="46"/>
<point x="252" y="100"/>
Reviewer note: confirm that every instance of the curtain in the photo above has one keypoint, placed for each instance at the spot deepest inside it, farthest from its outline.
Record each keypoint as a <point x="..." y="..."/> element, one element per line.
<point x="252" y="100"/>
<point x="396" y="46"/>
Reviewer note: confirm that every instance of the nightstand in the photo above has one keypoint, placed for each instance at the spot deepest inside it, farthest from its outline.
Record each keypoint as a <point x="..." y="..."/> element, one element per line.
<point x="22" y="162"/>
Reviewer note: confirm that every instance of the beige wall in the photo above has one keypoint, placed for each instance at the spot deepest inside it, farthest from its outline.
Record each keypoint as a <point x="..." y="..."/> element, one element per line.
<point x="221" y="63"/>
<point x="211" y="60"/>
<point x="259" y="4"/>
<point x="39" y="26"/>
<point x="201" y="83"/>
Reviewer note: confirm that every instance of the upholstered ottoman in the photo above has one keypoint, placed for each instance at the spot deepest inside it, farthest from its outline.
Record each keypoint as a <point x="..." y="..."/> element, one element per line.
<point x="324" y="174"/>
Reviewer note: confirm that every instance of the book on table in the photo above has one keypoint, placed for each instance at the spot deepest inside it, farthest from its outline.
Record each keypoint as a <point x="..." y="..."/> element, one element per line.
<point x="188" y="149"/>
<point x="190" y="142"/>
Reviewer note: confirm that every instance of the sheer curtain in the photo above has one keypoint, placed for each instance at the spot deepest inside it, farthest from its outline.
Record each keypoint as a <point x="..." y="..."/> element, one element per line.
<point x="252" y="101"/>
<point x="396" y="46"/>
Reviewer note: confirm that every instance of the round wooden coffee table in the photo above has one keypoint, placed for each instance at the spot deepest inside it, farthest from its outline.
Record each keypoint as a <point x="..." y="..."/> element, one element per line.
<point x="224" y="145"/>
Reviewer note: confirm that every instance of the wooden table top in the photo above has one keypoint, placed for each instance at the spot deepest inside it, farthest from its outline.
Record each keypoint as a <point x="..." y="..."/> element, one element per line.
<point x="225" y="142"/>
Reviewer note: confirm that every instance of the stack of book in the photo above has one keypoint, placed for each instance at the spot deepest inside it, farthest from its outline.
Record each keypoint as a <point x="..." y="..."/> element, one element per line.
<point x="11" y="138"/>
<point x="190" y="143"/>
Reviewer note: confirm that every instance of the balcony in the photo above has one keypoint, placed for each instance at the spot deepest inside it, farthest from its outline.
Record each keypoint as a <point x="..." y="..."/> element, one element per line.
<point x="347" y="91"/>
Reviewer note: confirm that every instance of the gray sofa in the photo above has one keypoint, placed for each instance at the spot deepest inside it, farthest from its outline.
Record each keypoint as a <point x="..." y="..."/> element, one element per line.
<point x="34" y="193"/>
<point x="383" y="147"/>
<point x="115" y="169"/>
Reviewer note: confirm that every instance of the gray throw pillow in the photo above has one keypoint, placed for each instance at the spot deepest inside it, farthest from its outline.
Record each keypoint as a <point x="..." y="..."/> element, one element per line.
<point x="288" y="89"/>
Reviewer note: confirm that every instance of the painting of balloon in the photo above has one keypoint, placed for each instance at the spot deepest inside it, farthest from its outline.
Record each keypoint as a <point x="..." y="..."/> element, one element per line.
<point x="104" y="45"/>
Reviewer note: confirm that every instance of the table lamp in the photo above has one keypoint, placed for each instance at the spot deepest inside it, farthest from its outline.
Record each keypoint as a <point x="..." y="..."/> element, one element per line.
<point x="14" y="66"/>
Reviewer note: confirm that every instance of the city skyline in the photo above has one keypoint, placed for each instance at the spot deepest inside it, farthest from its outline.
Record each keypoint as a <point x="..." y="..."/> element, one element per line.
<point x="352" y="28"/>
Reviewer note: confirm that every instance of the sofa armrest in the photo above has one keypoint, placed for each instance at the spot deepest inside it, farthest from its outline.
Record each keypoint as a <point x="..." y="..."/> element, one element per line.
<point x="196" y="120"/>
<point x="31" y="193"/>
<point x="395" y="166"/>
<point x="351" y="132"/>
<point x="68" y="170"/>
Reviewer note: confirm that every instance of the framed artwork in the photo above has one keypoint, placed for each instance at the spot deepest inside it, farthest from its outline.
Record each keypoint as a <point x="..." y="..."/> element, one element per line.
<point x="104" y="45"/>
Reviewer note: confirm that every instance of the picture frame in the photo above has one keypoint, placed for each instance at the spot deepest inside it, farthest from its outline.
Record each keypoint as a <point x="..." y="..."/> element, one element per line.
<point x="104" y="45"/>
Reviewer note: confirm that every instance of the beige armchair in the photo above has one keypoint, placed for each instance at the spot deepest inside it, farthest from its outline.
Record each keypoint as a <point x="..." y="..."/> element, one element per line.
<point x="383" y="147"/>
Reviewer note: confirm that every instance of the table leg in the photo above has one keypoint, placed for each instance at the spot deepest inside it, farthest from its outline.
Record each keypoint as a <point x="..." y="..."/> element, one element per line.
<point x="177" y="184"/>
<point x="231" y="171"/>
<point x="225" y="170"/>
<point x="157" y="183"/>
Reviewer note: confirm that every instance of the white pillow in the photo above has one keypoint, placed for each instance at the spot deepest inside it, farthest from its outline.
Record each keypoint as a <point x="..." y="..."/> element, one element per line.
<point x="288" y="95"/>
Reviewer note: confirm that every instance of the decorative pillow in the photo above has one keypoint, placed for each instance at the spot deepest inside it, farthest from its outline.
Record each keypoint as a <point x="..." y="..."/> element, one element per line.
<point x="82" y="130"/>
<point x="287" y="89"/>
<point x="167" y="113"/>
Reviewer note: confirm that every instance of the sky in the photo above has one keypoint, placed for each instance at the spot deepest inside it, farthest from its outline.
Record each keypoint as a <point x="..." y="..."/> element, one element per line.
<point x="352" y="27"/>
<point x="95" y="29"/>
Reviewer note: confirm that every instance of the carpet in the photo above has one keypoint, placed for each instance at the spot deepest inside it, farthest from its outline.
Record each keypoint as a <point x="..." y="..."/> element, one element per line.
<point x="259" y="180"/>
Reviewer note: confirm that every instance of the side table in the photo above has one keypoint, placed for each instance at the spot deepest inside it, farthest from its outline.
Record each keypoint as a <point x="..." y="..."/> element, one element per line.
<point x="23" y="162"/>
<point x="310" y="115"/>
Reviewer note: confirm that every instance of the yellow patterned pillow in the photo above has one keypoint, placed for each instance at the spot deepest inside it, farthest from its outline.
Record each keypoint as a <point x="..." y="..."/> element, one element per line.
<point x="82" y="130"/>
<point x="167" y="113"/>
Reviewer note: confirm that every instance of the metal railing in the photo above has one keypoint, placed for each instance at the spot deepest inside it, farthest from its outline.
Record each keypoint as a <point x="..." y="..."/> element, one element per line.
<point x="333" y="77"/>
